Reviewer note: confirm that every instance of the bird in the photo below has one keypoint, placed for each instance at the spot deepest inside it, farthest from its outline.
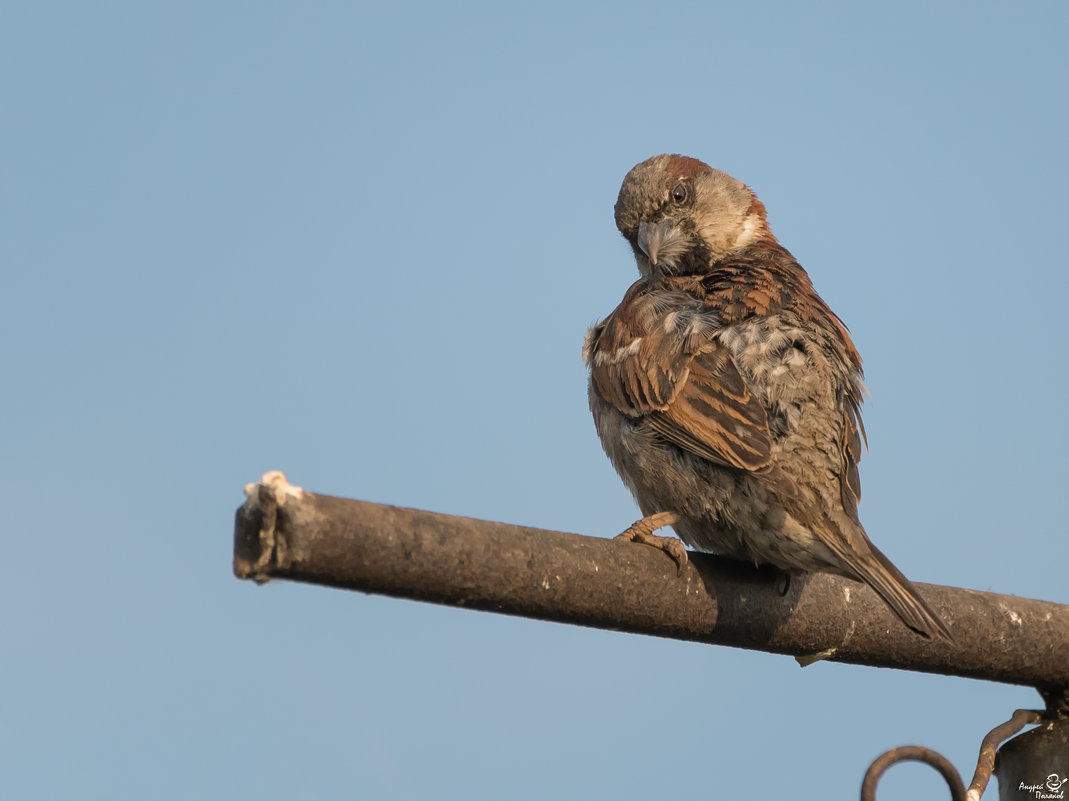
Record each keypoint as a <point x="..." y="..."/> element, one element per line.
<point x="727" y="394"/>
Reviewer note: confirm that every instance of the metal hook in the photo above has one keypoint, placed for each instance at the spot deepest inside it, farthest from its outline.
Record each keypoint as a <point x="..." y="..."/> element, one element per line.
<point x="985" y="764"/>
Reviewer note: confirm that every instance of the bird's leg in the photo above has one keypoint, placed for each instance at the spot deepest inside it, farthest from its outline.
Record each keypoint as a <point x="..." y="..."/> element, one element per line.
<point x="642" y="531"/>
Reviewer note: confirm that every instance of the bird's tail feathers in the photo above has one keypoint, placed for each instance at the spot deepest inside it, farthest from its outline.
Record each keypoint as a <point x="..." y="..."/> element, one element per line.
<point x="899" y="594"/>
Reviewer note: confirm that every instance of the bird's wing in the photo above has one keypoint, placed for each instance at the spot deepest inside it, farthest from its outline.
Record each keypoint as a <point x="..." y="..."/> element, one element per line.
<point x="638" y="372"/>
<point x="850" y="449"/>
<point x="714" y="415"/>
<point x="698" y="401"/>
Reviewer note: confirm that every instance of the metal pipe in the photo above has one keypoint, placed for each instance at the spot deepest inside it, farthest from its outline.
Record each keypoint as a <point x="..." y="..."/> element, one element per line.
<point x="285" y="532"/>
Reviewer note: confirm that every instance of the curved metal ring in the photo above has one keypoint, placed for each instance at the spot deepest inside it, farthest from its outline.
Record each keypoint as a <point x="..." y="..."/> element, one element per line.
<point x="915" y="753"/>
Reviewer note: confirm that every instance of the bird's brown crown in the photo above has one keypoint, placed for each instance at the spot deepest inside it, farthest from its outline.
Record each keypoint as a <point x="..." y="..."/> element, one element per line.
<point x="685" y="166"/>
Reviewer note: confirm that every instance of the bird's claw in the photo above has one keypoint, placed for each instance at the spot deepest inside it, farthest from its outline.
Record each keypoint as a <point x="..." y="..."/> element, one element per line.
<point x="642" y="531"/>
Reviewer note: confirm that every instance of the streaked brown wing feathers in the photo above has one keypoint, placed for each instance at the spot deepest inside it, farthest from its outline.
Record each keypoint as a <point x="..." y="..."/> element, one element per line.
<point x="850" y="447"/>
<point x="637" y="374"/>
<point x="715" y="416"/>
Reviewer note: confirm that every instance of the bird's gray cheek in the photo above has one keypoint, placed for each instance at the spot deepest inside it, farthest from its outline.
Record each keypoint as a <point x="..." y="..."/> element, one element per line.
<point x="644" y="267"/>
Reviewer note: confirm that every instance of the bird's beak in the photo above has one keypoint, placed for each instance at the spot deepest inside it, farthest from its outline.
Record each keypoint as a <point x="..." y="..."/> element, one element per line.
<point x="652" y="238"/>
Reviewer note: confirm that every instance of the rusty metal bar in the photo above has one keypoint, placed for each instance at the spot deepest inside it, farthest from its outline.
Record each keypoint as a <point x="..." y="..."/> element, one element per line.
<point x="985" y="763"/>
<point x="285" y="532"/>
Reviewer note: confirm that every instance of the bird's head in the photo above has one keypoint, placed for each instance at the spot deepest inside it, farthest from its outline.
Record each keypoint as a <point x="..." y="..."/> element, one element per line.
<point x="680" y="215"/>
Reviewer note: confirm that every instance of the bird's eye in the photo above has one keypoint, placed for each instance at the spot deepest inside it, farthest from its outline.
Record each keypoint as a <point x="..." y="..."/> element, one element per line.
<point x="679" y="193"/>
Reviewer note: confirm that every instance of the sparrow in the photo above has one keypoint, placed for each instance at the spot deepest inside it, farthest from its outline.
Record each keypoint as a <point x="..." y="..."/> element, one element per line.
<point x="727" y="394"/>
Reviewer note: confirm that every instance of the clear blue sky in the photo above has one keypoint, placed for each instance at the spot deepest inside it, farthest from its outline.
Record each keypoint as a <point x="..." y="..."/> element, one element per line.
<point x="363" y="245"/>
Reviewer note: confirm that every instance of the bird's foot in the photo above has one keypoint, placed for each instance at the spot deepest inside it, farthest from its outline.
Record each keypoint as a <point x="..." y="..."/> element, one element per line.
<point x="642" y="531"/>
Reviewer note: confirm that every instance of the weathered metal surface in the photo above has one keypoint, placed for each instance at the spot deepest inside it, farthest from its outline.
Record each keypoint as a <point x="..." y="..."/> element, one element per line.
<point x="597" y="582"/>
